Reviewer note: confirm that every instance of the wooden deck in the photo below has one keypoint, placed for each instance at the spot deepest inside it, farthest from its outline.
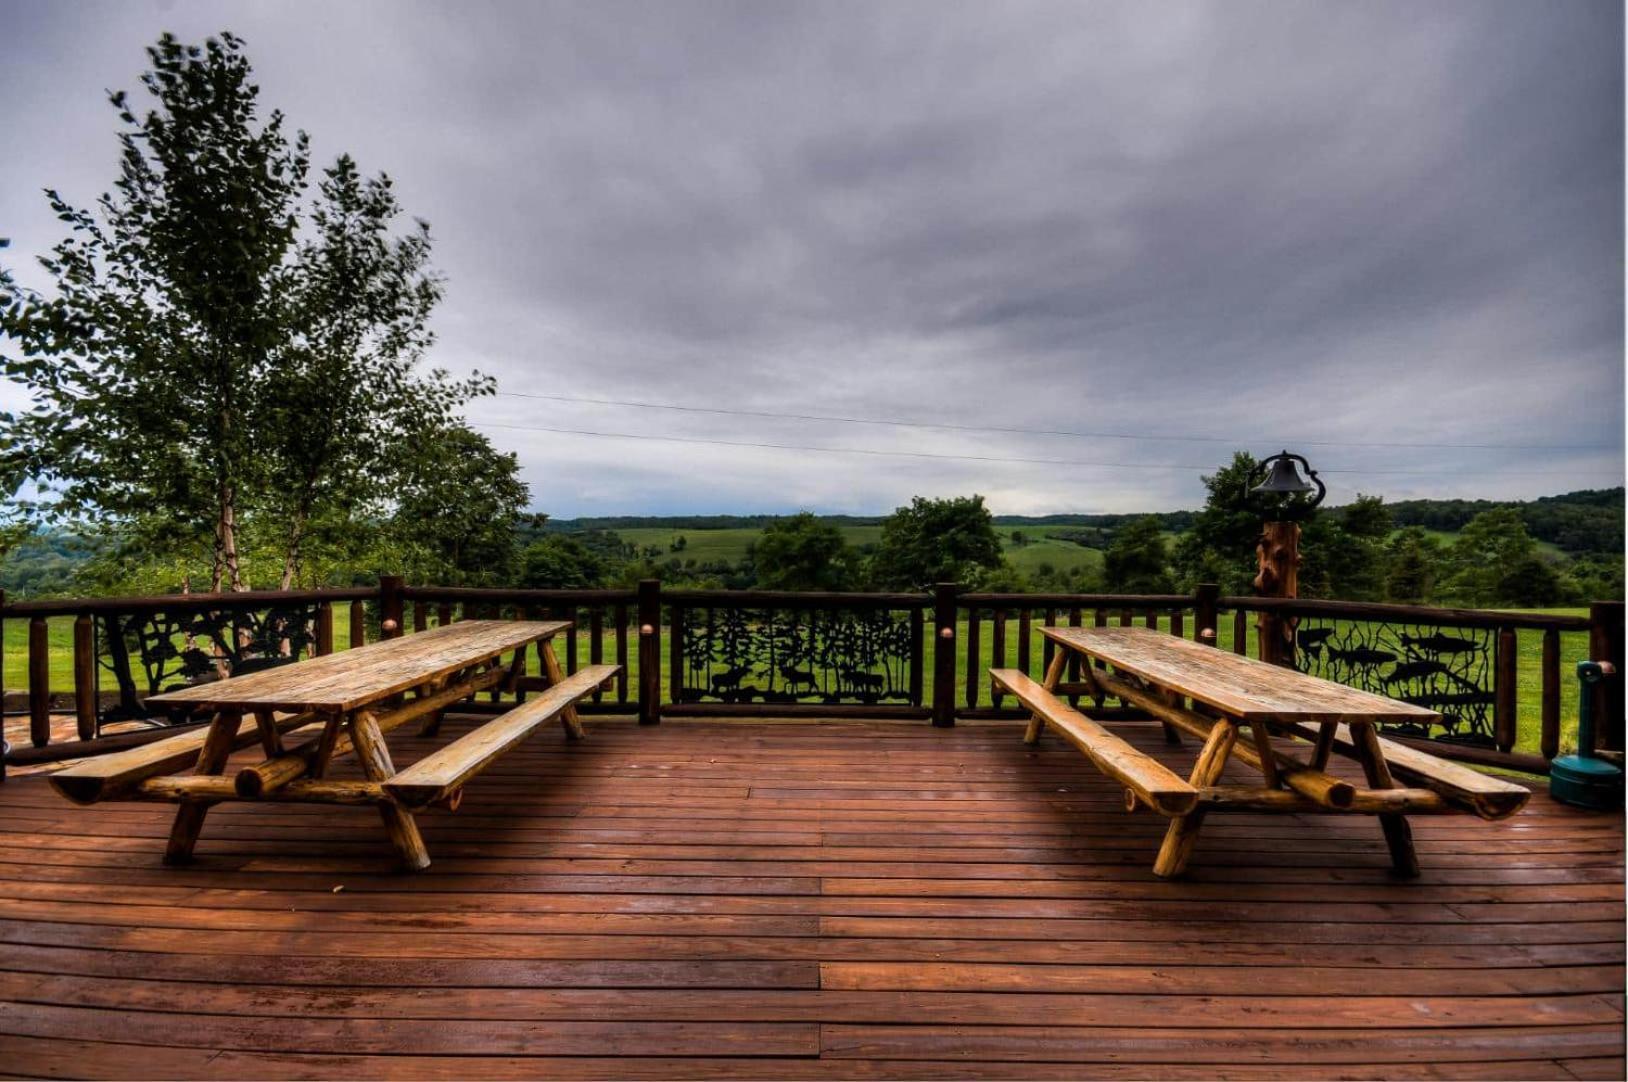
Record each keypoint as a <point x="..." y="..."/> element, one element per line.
<point x="803" y="900"/>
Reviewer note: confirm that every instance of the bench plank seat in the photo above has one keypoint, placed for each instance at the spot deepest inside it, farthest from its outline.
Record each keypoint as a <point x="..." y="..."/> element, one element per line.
<point x="444" y="771"/>
<point x="1152" y="782"/>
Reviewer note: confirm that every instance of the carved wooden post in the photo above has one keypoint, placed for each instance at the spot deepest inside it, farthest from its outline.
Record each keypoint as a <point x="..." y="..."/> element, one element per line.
<point x="649" y="651"/>
<point x="1605" y="644"/>
<point x="944" y="654"/>
<point x="1278" y="553"/>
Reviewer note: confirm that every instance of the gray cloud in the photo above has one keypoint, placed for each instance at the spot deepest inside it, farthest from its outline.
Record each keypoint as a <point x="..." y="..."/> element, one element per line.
<point x="1272" y="222"/>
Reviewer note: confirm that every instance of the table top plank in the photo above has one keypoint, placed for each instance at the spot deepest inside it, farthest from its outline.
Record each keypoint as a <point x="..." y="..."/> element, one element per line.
<point x="1239" y="686"/>
<point x="368" y="674"/>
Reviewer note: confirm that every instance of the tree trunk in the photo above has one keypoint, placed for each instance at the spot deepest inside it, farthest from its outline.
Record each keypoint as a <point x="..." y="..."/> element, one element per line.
<point x="227" y="565"/>
<point x="291" y="558"/>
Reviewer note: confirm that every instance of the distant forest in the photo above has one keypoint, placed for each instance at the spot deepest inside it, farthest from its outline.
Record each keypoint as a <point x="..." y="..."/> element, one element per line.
<point x="1555" y="550"/>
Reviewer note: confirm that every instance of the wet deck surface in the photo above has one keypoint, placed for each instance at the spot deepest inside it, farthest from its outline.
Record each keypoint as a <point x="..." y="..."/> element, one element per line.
<point x="788" y="900"/>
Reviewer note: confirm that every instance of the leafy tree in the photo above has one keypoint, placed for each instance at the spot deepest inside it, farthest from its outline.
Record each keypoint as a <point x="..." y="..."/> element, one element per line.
<point x="1490" y="547"/>
<point x="345" y="388"/>
<point x="948" y="540"/>
<point x="1219" y="546"/>
<point x="147" y="365"/>
<point x="558" y="561"/>
<point x="802" y="553"/>
<point x="1137" y="562"/>
<point x="1367" y="516"/>
<point x="458" y="507"/>
<point x="1532" y="582"/>
<point x="1343" y="554"/>
<point x="194" y="363"/>
<point x="1412" y="559"/>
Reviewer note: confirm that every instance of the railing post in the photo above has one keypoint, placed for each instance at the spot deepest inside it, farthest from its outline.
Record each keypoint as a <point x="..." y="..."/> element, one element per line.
<point x="39" y="681"/>
<point x="1278" y="556"/>
<point x="325" y="629"/>
<point x="358" y="623"/>
<point x="391" y="609"/>
<point x="1605" y="644"/>
<point x="1206" y="613"/>
<point x="84" y="676"/>
<point x="649" y="651"/>
<point x="944" y="653"/>
<point x="1504" y="676"/>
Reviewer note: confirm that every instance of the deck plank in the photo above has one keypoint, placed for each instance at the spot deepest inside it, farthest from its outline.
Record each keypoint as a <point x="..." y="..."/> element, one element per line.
<point x="805" y="900"/>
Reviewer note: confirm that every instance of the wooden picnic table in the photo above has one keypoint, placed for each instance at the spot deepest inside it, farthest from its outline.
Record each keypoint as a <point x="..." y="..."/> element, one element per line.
<point x="342" y="703"/>
<point x="1228" y="694"/>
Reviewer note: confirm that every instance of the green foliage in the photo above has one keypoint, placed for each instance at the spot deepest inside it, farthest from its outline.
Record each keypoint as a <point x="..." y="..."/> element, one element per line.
<point x="1412" y="559"/>
<point x="1489" y="547"/>
<point x="931" y="541"/>
<point x="1219" y="547"/>
<point x="345" y="387"/>
<point x="147" y="363"/>
<point x="803" y="553"/>
<point x="1138" y="561"/>
<point x="197" y="364"/>
<point x="457" y="508"/>
<point x="558" y="561"/>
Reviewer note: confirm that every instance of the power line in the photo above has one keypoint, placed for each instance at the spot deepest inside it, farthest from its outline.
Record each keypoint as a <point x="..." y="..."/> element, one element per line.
<point x="1075" y="433"/>
<point x="1184" y="467"/>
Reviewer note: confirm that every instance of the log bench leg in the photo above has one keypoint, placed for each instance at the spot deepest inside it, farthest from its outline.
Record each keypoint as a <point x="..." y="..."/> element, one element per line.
<point x="375" y="759"/>
<point x="1054" y="676"/>
<point x="551" y="669"/>
<point x="189" y="817"/>
<point x="1182" y="834"/>
<point x="1398" y="834"/>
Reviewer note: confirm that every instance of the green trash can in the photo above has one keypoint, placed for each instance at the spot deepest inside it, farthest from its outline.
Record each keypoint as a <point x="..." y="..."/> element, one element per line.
<point x="1584" y="780"/>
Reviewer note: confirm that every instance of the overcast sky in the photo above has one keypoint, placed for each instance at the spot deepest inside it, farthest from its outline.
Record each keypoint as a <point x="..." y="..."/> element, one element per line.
<point x="1340" y="228"/>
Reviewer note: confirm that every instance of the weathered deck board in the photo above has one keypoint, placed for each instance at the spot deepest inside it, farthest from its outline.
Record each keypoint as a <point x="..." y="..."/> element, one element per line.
<point x="803" y="900"/>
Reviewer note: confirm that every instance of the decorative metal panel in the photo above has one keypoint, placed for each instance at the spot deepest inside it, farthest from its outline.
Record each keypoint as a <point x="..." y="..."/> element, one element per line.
<point x="151" y="652"/>
<point x="737" y="655"/>
<point x="1448" y="670"/>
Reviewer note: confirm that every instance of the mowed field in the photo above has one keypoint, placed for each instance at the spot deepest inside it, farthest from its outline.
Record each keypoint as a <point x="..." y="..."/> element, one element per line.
<point x="729" y="546"/>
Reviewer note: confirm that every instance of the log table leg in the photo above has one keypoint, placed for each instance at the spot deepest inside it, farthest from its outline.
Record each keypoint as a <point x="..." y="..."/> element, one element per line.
<point x="1182" y="834"/>
<point x="551" y="669"/>
<point x="1398" y="834"/>
<point x="375" y="759"/>
<point x="189" y="817"/>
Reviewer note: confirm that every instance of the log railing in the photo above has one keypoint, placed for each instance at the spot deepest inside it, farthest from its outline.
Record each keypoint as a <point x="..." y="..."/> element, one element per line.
<point x="1501" y="680"/>
<point x="121" y="650"/>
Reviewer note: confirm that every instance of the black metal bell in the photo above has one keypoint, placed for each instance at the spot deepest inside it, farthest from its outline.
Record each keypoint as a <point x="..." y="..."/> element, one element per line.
<point x="1284" y="480"/>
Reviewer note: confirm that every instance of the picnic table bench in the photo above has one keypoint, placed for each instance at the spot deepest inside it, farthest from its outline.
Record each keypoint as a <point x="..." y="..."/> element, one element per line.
<point x="1229" y="693"/>
<point x="341" y="704"/>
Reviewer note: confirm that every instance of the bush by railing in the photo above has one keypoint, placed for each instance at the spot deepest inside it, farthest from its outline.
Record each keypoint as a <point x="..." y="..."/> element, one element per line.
<point x="1491" y="675"/>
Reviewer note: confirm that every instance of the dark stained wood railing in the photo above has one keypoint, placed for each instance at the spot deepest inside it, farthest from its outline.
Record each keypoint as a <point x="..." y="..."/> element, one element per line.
<point x="763" y="653"/>
<point x="158" y="642"/>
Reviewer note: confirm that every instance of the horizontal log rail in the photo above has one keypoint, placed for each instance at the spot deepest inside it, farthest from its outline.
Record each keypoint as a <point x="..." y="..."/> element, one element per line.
<point x="894" y="654"/>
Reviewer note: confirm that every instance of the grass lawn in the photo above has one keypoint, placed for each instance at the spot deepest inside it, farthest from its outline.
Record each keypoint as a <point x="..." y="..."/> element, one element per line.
<point x="729" y="546"/>
<point x="1574" y="648"/>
